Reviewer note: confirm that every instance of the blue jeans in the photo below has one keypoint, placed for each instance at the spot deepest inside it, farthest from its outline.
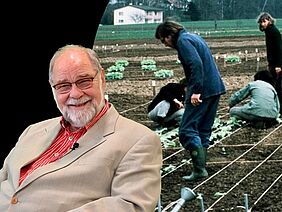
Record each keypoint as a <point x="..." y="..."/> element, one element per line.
<point x="161" y="110"/>
<point x="197" y="121"/>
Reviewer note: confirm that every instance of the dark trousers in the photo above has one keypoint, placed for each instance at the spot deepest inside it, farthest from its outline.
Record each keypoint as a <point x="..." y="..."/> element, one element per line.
<point x="197" y="121"/>
<point x="278" y="88"/>
<point x="277" y="84"/>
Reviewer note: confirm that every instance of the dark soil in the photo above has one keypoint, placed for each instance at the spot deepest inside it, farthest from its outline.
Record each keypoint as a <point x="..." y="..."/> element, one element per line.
<point x="245" y="167"/>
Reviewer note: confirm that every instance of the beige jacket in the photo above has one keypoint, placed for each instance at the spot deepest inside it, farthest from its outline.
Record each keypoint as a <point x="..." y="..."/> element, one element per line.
<point x="115" y="168"/>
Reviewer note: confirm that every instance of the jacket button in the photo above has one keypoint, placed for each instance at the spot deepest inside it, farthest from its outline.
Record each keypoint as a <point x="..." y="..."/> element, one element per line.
<point x="14" y="200"/>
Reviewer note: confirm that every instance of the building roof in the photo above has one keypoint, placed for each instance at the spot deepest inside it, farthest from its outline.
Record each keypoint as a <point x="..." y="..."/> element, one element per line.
<point x="146" y="8"/>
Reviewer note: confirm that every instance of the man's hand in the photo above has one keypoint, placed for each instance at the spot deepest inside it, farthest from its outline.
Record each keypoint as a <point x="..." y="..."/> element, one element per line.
<point x="178" y="103"/>
<point x="195" y="99"/>
<point x="278" y="70"/>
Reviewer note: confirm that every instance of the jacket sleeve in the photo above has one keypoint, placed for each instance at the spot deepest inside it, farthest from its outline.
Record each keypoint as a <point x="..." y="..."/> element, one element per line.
<point x="193" y="62"/>
<point x="240" y="95"/>
<point x="277" y="48"/>
<point x="3" y="174"/>
<point x="137" y="183"/>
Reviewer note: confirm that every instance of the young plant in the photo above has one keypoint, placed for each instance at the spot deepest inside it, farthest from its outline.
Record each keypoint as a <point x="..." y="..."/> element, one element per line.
<point x="163" y="74"/>
<point x="122" y="63"/>
<point x="148" y="65"/>
<point x="114" y="76"/>
<point x="232" y="59"/>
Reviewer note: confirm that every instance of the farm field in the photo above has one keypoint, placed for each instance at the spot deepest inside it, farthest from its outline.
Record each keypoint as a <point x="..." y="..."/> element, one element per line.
<point x="244" y="165"/>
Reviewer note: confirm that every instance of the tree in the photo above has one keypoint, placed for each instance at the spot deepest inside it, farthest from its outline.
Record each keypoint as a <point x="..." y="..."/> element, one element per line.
<point x="194" y="12"/>
<point x="138" y="17"/>
<point x="183" y="10"/>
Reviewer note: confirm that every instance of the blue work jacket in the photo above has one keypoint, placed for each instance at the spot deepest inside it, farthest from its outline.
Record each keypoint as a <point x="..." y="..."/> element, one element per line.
<point x="199" y="66"/>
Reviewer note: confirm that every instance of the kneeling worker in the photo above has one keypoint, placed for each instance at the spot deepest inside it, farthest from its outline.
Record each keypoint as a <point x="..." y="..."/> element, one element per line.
<point x="262" y="109"/>
<point x="167" y="107"/>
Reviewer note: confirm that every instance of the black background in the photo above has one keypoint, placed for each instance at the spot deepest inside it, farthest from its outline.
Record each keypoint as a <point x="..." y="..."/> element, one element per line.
<point x="30" y="34"/>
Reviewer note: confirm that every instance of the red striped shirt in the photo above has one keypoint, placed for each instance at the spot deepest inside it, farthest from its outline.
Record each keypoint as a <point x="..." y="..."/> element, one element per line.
<point x="61" y="145"/>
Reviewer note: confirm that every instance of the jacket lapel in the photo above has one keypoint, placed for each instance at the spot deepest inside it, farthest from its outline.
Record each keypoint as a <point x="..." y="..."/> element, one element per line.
<point x="95" y="136"/>
<point x="32" y="146"/>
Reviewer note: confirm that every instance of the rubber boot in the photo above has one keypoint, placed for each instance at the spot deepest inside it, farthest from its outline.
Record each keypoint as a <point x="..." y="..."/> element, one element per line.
<point x="199" y="168"/>
<point x="205" y="155"/>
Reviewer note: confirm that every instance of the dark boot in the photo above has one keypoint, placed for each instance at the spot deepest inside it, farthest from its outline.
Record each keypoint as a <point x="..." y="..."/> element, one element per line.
<point x="258" y="124"/>
<point x="205" y="155"/>
<point x="271" y="123"/>
<point x="199" y="165"/>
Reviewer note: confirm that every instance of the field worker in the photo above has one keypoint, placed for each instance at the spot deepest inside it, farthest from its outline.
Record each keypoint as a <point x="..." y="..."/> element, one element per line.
<point x="262" y="109"/>
<point x="273" y="50"/>
<point x="88" y="159"/>
<point x="167" y="107"/>
<point x="204" y="88"/>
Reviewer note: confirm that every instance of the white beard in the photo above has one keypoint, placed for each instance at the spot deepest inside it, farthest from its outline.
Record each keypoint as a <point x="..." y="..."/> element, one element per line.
<point x="79" y="118"/>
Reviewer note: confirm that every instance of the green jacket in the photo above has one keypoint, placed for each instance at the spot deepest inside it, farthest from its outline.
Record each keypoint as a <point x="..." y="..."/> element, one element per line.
<point x="263" y="99"/>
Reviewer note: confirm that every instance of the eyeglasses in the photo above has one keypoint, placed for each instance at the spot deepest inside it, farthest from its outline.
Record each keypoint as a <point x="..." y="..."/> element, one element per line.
<point x="82" y="84"/>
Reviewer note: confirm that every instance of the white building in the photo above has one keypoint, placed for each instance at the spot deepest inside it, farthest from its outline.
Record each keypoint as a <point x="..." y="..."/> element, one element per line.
<point x="134" y="14"/>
